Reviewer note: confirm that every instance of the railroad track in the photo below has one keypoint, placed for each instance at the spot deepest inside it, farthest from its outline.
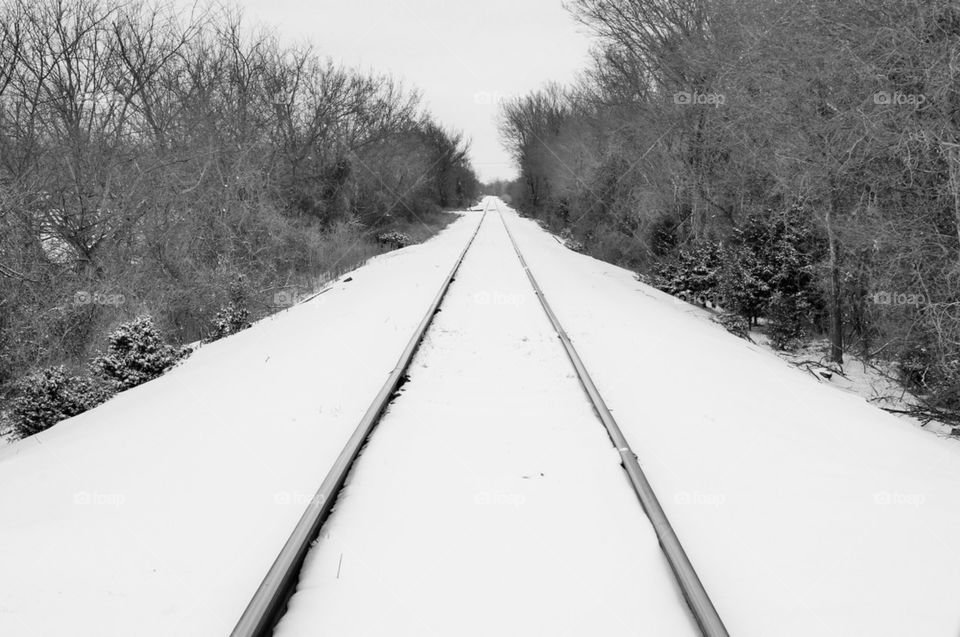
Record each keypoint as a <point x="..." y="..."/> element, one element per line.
<point x="270" y="601"/>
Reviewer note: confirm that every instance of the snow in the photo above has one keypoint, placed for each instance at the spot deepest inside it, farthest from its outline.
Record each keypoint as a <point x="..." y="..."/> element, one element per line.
<point x="875" y="381"/>
<point x="489" y="500"/>
<point x="159" y="512"/>
<point x="805" y="510"/>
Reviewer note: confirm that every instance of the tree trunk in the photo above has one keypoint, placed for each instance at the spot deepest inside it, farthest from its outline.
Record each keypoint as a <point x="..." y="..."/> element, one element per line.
<point x="836" y="316"/>
<point x="697" y="213"/>
<point x="953" y="161"/>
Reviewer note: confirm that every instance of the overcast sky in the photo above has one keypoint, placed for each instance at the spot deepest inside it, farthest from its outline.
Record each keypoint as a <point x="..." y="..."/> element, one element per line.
<point x="463" y="55"/>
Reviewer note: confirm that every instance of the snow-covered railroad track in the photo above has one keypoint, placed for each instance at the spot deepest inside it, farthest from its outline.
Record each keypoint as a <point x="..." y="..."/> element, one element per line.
<point x="269" y="601"/>
<point x="693" y="591"/>
<point x="471" y="355"/>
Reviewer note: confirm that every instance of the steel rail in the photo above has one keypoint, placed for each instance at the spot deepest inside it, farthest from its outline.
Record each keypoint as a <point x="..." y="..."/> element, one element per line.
<point x="695" y="594"/>
<point x="270" y="600"/>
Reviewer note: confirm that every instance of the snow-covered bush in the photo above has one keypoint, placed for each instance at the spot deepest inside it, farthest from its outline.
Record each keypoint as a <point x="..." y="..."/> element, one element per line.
<point x="571" y="241"/>
<point x="735" y="324"/>
<point x="231" y="318"/>
<point x="946" y="387"/>
<point x="50" y="395"/>
<point x="766" y="269"/>
<point x="789" y="318"/>
<point x="696" y="274"/>
<point x="136" y="353"/>
<point x="394" y="239"/>
<point x="772" y="273"/>
<point x="925" y="372"/>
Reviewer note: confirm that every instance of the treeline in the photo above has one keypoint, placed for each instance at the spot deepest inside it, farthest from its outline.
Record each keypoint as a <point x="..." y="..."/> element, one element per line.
<point x="175" y="165"/>
<point x="797" y="163"/>
<point x="497" y="188"/>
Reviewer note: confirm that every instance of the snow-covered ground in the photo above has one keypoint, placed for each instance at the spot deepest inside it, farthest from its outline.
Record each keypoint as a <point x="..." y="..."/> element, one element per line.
<point x="489" y="500"/>
<point x="874" y="381"/>
<point x="805" y="510"/>
<point x="158" y="513"/>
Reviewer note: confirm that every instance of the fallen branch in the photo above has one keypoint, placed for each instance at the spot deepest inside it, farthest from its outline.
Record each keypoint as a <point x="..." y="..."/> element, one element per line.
<point x="807" y="364"/>
<point x="927" y="415"/>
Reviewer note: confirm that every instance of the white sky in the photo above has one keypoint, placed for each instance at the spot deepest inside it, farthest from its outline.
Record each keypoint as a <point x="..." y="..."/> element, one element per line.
<point x="463" y="55"/>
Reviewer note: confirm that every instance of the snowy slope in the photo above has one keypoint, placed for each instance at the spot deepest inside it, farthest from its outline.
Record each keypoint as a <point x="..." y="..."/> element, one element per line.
<point x="489" y="500"/>
<point x="805" y="510"/>
<point x="159" y="512"/>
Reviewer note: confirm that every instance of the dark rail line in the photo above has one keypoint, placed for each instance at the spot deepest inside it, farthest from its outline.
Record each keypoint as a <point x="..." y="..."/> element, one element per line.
<point x="695" y="594"/>
<point x="270" y="600"/>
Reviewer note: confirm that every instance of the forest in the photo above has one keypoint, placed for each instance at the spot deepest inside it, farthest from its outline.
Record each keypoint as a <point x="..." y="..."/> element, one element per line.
<point x="794" y="164"/>
<point x="169" y="177"/>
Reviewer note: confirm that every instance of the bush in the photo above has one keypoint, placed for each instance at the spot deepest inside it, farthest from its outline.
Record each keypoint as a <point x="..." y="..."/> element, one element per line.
<point x="766" y="270"/>
<point x="696" y="275"/>
<point x="394" y="239"/>
<point x="571" y="241"/>
<point x="735" y="324"/>
<point x="926" y="371"/>
<point x="50" y="395"/>
<point x="788" y="319"/>
<point x="945" y="388"/>
<point x="135" y="354"/>
<point x="770" y="272"/>
<point x="231" y="318"/>
<point x="745" y="284"/>
<point x="914" y="363"/>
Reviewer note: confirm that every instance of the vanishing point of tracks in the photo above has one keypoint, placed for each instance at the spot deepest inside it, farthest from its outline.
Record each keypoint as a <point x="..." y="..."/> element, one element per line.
<point x="270" y="601"/>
